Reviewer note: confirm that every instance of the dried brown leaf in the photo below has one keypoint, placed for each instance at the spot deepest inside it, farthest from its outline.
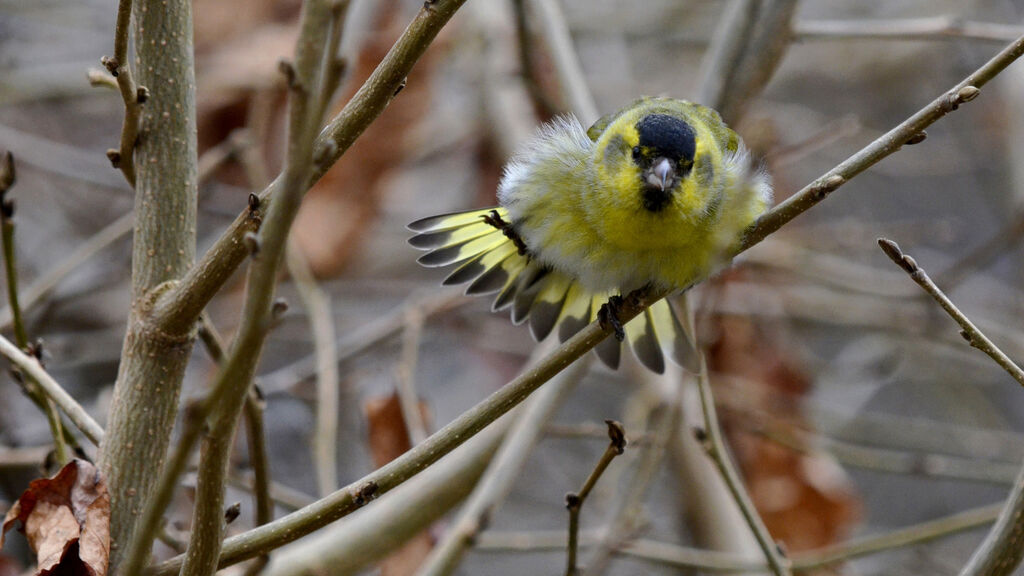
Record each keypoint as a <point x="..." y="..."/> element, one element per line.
<point x="66" y="520"/>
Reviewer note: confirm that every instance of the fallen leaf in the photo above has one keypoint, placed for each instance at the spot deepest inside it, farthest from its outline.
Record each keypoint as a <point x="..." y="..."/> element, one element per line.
<point x="66" y="520"/>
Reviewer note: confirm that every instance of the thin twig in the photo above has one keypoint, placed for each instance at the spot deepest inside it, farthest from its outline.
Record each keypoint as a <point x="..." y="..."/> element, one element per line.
<point x="624" y="519"/>
<point x="894" y="461"/>
<point x="334" y="66"/>
<point x="704" y="560"/>
<point x="969" y="331"/>
<point x="574" y="500"/>
<point x="321" y="320"/>
<point x="712" y="561"/>
<point x="30" y="387"/>
<point x="747" y="48"/>
<point x="899" y="538"/>
<point x="715" y="447"/>
<point x="30" y="365"/>
<point x="927" y="28"/>
<point x="134" y="96"/>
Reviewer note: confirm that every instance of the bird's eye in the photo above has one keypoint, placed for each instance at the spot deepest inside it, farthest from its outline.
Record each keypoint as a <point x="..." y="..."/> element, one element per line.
<point x="636" y="152"/>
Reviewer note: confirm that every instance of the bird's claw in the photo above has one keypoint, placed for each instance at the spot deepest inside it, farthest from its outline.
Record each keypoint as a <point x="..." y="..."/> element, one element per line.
<point x="608" y="316"/>
<point x="494" y="219"/>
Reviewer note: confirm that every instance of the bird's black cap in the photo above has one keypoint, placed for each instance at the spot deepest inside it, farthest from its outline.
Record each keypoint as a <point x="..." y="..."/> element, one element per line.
<point x="668" y="136"/>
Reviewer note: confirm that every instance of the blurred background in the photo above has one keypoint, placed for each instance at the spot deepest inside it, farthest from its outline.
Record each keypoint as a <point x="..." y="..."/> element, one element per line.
<point x="852" y="405"/>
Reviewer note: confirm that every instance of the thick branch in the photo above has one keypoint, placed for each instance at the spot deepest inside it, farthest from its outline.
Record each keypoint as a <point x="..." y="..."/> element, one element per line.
<point x="153" y="360"/>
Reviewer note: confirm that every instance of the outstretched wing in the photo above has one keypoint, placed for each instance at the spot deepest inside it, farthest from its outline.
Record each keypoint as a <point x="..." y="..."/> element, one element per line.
<point x="490" y="263"/>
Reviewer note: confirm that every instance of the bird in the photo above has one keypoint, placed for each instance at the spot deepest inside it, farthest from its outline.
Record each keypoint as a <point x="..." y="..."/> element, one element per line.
<point x="650" y="196"/>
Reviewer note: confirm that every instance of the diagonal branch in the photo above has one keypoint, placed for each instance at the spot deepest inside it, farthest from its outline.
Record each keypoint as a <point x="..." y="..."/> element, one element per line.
<point x="353" y="496"/>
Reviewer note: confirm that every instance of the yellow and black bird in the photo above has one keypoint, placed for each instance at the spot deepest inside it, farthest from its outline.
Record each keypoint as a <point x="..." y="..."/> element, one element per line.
<point x="651" y="195"/>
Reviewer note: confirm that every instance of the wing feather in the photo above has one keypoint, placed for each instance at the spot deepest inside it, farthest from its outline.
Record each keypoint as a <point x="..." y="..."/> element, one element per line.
<point x="490" y="262"/>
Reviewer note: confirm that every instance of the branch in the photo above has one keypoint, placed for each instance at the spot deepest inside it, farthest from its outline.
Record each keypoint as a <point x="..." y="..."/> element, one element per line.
<point x="744" y="53"/>
<point x="574" y="500"/>
<point x="1003" y="548"/>
<point x="969" y="331"/>
<point x="153" y="359"/>
<point x="29" y="386"/>
<point x="134" y="96"/>
<point x="304" y="82"/>
<point x="881" y="148"/>
<point x="254" y="433"/>
<point x="30" y="365"/>
<point x="715" y="447"/>
<point x="321" y="324"/>
<point x="179" y="308"/>
<point x="686" y="557"/>
<point x="1001" y="551"/>
<point x="382" y="480"/>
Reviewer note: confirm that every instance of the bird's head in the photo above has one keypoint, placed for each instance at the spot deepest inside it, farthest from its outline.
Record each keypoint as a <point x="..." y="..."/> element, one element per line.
<point x="664" y="153"/>
<point x="658" y="158"/>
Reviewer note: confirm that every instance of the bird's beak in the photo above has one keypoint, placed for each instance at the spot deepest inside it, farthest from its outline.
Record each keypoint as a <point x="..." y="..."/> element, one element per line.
<point x="661" y="174"/>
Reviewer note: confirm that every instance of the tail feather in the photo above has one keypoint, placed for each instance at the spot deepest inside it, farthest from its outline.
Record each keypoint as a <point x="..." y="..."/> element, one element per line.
<point x="643" y="340"/>
<point x="490" y="262"/>
<point x="548" y="305"/>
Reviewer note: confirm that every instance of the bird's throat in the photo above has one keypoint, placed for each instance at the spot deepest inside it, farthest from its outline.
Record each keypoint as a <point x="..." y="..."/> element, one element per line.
<point x="655" y="199"/>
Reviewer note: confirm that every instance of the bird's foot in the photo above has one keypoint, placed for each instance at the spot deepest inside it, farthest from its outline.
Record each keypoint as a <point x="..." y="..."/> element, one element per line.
<point x="608" y="316"/>
<point x="495" y="219"/>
